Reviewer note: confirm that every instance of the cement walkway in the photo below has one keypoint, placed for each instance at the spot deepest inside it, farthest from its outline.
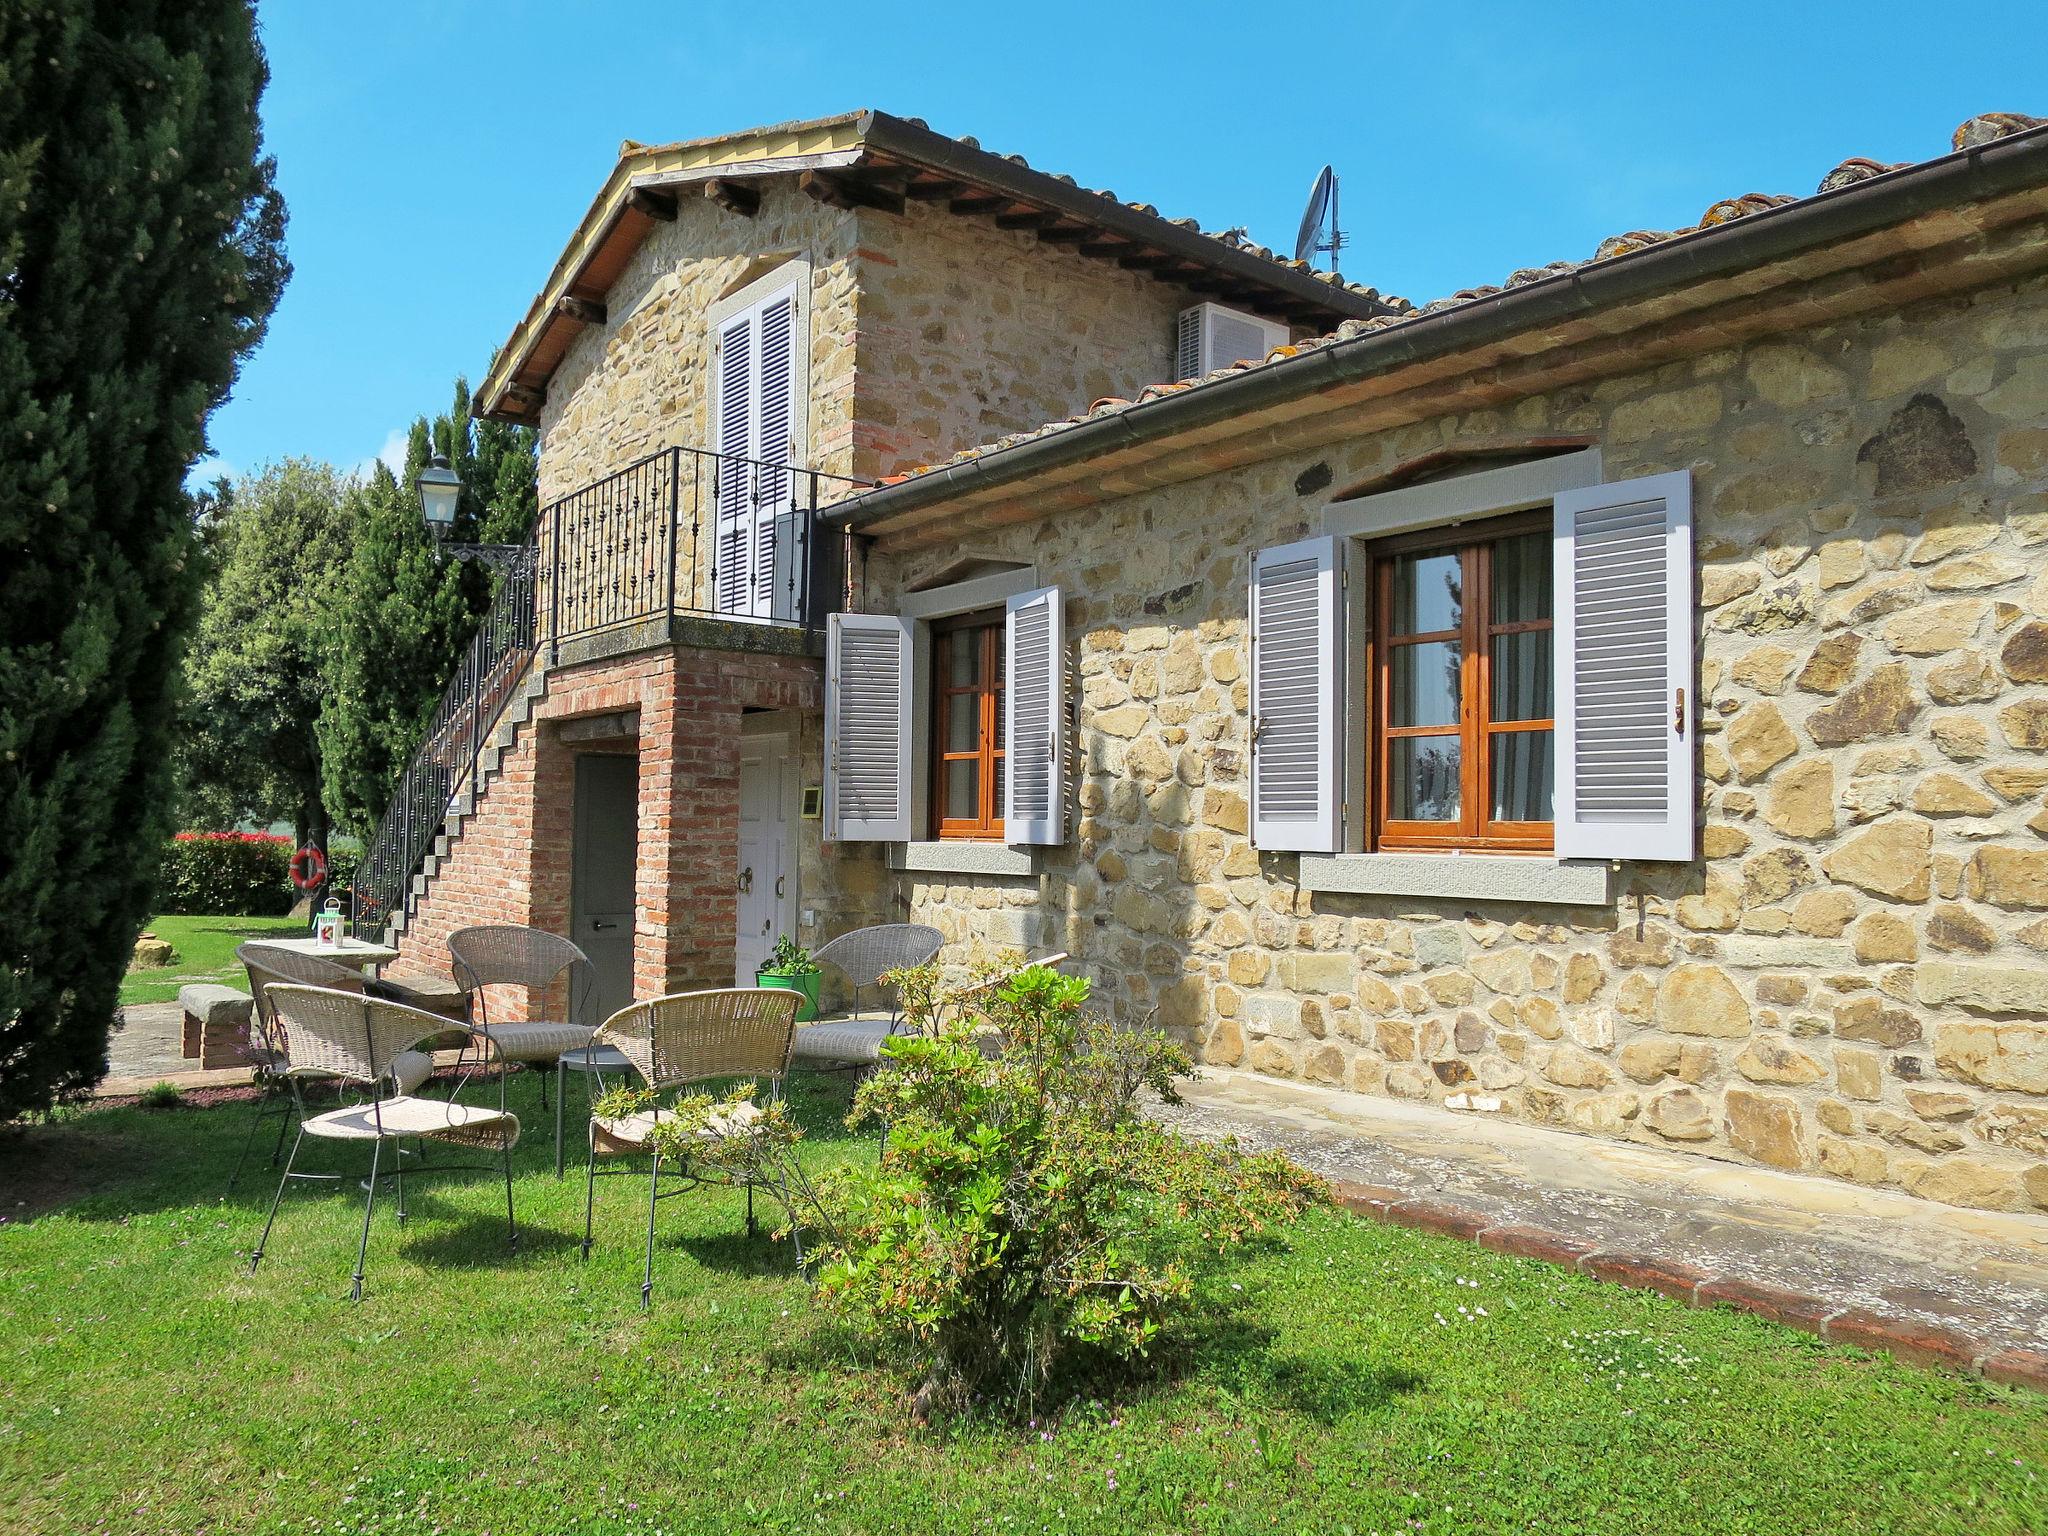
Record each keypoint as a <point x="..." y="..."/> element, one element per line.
<point x="1931" y="1283"/>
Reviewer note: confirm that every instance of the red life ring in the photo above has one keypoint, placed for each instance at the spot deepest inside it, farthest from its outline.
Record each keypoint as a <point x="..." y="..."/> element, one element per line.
<point x="309" y="868"/>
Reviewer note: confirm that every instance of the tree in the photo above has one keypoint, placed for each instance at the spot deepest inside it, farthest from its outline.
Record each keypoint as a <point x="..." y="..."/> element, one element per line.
<point x="259" y="669"/>
<point x="409" y="611"/>
<point x="141" y="254"/>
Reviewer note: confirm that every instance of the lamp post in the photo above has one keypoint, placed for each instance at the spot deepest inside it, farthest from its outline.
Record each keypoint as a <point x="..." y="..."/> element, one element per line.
<point x="440" y="491"/>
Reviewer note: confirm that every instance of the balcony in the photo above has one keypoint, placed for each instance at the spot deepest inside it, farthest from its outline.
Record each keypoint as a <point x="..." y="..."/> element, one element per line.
<point x="689" y="546"/>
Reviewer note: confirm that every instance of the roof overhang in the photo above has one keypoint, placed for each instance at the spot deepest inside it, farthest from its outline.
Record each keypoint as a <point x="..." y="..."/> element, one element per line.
<point x="875" y="160"/>
<point x="1942" y="226"/>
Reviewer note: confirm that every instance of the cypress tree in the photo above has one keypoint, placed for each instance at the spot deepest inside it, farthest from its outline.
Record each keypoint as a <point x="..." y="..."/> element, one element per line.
<point x="410" y="612"/>
<point x="141" y="253"/>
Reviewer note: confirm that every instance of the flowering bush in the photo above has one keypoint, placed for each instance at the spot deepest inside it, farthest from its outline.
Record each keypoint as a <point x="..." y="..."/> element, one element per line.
<point x="1021" y="1209"/>
<point x="240" y="873"/>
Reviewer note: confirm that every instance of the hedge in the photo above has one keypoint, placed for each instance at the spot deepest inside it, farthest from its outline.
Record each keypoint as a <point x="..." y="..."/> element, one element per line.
<point x="240" y="874"/>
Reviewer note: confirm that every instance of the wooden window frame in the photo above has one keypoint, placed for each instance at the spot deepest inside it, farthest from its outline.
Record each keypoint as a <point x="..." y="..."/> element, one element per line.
<point x="1474" y="730"/>
<point x="986" y="699"/>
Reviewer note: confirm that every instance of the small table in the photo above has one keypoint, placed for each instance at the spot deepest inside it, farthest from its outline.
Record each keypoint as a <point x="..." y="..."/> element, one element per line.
<point x="353" y="952"/>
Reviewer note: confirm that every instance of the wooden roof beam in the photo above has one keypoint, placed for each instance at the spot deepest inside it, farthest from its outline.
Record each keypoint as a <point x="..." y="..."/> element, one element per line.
<point x="654" y="205"/>
<point x="582" y="311"/>
<point x="839" y="191"/>
<point x="1065" y="234"/>
<point x="733" y="196"/>
<point x="1031" y="218"/>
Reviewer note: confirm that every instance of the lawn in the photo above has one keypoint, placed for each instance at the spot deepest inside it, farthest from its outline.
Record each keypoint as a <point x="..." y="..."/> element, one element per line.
<point x="1363" y="1378"/>
<point x="206" y="952"/>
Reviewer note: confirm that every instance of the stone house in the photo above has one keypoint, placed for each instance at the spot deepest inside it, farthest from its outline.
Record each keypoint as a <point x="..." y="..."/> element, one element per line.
<point x="1612" y="700"/>
<point x="740" y="330"/>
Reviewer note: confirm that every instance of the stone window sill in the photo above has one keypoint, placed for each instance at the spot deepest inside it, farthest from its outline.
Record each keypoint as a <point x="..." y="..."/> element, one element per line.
<point x="956" y="856"/>
<point x="1461" y="877"/>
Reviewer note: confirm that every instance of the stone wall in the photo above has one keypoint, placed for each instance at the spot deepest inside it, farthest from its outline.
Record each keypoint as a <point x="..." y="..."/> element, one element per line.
<point x="1849" y="981"/>
<point x="929" y="332"/>
<point x="641" y="381"/>
<point x="965" y="332"/>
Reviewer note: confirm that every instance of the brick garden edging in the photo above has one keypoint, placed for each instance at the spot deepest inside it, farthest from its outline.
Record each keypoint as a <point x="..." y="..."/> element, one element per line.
<point x="1908" y="1339"/>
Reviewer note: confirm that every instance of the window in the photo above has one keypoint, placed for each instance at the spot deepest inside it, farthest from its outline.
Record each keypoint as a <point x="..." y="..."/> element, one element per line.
<point x="1460" y="688"/>
<point x="967" y="727"/>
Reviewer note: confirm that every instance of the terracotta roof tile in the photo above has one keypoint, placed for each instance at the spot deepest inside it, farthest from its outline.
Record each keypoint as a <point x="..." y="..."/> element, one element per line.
<point x="1978" y="131"/>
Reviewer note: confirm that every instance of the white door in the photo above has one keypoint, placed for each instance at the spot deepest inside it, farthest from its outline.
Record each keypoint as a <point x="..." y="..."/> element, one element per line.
<point x="756" y="430"/>
<point x="767" y="865"/>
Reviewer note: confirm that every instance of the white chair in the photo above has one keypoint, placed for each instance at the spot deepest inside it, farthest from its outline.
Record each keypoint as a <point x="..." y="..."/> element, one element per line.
<point x="673" y="1041"/>
<point x="267" y="965"/>
<point x="354" y="1038"/>
<point x="510" y="955"/>
<point x="864" y="957"/>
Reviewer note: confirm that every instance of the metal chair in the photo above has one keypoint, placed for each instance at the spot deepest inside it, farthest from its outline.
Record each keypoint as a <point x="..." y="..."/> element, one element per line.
<point x="511" y="955"/>
<point x="331" y="1033"/>
<point x="688" y="1037"/>
<point x="268" y="966"/>
<point x="864" y="957"/>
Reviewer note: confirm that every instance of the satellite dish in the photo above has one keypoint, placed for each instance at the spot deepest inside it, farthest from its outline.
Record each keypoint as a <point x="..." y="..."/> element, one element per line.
<point x="1319" y="230"/>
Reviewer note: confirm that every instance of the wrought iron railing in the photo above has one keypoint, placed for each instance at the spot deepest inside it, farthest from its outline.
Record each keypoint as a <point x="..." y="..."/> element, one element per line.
<point x="689" y="531"/>
<point x="684" y="531"/>
<point x="492" y="664"/>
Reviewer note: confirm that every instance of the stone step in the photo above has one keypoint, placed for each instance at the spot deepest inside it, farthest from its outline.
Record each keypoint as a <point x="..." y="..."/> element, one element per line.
<point x="490" y="760"/>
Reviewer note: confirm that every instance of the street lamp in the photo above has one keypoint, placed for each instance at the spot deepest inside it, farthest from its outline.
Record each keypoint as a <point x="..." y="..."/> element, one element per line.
<point x="440" y="489"/>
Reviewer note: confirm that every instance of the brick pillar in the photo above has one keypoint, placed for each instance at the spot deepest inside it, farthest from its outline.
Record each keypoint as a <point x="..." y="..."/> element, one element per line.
<point x="689" y="829"/>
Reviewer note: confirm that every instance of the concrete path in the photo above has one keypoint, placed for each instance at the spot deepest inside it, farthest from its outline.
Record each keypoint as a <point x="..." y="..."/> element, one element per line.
<point x="1931" y="1283"/>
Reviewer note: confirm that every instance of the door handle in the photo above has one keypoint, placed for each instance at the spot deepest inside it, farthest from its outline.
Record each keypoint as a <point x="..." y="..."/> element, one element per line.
<point x="779" y="879"/>
<point x="597" y="926"/>
<point x="747" y="880"/>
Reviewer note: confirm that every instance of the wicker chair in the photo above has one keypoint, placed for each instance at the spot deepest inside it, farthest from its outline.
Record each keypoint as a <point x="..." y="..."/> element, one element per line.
<point x="345" y="1035"/>
<point x="688" y="1037"/>
<point x="268" y="966"/>
<point x="514" y="956"/>
<point x="864" y="957"/>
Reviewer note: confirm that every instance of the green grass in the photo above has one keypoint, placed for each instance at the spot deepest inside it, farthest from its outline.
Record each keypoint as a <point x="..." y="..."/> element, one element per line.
<point x="206" y="952"/>
<point x="1363" y="1378"/>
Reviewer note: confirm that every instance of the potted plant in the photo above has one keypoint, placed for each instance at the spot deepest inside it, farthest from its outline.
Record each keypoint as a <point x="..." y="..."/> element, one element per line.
<point x="791" y="967"/>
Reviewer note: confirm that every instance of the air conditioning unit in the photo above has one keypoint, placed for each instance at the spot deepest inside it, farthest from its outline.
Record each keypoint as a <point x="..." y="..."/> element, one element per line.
<point x="1212" y="336"/>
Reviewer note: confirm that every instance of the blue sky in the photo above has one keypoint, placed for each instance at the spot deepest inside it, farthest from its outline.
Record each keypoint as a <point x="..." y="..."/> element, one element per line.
<point x="436" y="153"/>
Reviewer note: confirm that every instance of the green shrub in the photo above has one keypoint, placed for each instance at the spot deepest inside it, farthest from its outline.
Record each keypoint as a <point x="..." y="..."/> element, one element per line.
<point x="226" y="873"/>
<point x="161" y="1095"/>
<point x="1022" y="1209"/>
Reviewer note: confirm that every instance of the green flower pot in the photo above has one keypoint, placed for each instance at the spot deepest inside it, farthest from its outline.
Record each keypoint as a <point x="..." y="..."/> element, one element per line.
<point x="804" y="983"/>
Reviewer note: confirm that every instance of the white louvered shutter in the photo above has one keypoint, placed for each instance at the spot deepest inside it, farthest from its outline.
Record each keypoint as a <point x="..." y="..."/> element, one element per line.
<point x="1624" y="670"/>
<point x="1034" y="719"/>
<point x="1297" y="799"/>
<point x="774" y="447"/>
<point x="733" y="531"/>
<point x="867" y="728"/>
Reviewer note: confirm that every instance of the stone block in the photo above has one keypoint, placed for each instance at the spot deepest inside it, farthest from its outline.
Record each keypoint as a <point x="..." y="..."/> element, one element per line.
<point x="1892" y="858"/>
<point x="2011" y="1056"/>
<point x="1766" y="1126"/>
